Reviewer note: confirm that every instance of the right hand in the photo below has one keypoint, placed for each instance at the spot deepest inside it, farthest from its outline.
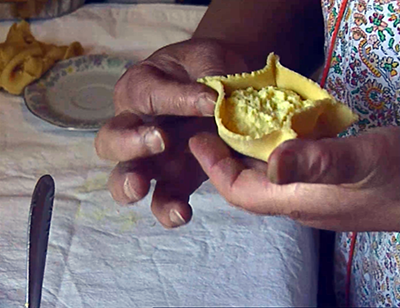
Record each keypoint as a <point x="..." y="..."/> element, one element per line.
<point x="338" y="184"/>
<point x="159" y="106"/>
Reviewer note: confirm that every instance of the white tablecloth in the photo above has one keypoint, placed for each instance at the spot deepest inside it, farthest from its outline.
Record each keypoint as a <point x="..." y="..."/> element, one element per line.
<point x="104" y="255"/>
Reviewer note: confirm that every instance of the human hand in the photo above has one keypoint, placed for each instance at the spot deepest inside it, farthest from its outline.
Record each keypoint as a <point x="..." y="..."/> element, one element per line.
<point x="340" y="184"/>
<point x="159" y="106"/>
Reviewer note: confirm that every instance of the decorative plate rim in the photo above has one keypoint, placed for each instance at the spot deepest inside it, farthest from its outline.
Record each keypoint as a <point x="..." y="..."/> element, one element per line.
<point x="35" y="93"/>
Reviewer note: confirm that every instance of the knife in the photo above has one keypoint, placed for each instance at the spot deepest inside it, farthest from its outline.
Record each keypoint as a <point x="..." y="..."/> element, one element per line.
<point x="38" y="237"/>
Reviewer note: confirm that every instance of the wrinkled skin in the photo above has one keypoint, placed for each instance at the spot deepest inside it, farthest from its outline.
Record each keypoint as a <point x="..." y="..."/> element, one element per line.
<point x="350" y="184"/>
<point x="159" y="106"/>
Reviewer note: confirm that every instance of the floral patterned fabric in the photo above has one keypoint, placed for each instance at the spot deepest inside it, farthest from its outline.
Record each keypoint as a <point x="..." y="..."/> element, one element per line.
<point x="365" y="74"/>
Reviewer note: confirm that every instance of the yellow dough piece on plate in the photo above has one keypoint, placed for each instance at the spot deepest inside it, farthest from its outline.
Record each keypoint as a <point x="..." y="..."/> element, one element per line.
<point x="23" y="59"/>
<point x="255" y="112"/>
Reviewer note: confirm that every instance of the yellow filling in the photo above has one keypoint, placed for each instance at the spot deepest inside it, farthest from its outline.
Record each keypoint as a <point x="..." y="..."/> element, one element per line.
<point x="254" y="113"/>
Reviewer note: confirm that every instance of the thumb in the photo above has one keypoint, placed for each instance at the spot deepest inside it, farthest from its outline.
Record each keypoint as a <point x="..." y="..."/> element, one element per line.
<point x="327" y="161"/>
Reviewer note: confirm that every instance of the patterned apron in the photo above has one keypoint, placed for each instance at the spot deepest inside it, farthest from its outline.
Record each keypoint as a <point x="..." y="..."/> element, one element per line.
<point x="365" y="74"/>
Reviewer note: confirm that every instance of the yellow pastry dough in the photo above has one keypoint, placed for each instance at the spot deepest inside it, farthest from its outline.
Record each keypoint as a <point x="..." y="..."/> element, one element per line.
<point x="23" y="59"/>
<point x="255" y="112"/>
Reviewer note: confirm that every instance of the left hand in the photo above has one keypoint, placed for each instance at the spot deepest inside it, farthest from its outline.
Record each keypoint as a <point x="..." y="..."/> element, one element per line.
<point x="159" y="105"/>
<point x="340" y="184"/>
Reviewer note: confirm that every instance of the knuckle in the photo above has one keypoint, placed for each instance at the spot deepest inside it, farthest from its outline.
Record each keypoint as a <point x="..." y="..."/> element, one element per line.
<point x="213" y="58"/>
<point x="207" y="47"/>
<point x="130" y="88"/>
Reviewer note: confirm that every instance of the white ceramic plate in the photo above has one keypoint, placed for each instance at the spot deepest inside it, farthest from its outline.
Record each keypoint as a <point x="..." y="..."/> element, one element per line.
<point x="77" y="93"/>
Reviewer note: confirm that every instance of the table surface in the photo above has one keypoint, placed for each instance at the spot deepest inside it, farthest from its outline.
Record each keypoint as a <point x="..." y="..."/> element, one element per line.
<point x="104" y="255"/>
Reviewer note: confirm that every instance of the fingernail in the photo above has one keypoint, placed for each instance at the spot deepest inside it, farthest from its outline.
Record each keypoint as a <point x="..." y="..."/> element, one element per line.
<point x="283" y="169"/>
<point x="176" y="218"/>
<point x="154" y="141"/>
<point x="289" y="168"/>
<point x="206" y="106"/>
<point x="129" y="192"/>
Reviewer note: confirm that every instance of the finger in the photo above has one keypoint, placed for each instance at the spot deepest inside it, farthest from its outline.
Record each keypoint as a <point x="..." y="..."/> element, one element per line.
<point x="147" y="90"/>
<point x="170" y="199"/>
<point x="252" y="191"/>
<point x="180" y="129"/>
<point x="123" y="138"/>
<point x="327" y="161"/>
<point x="243" y="187"/>
<point x="128" y="184"/>
<point x="171" y="210"/>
